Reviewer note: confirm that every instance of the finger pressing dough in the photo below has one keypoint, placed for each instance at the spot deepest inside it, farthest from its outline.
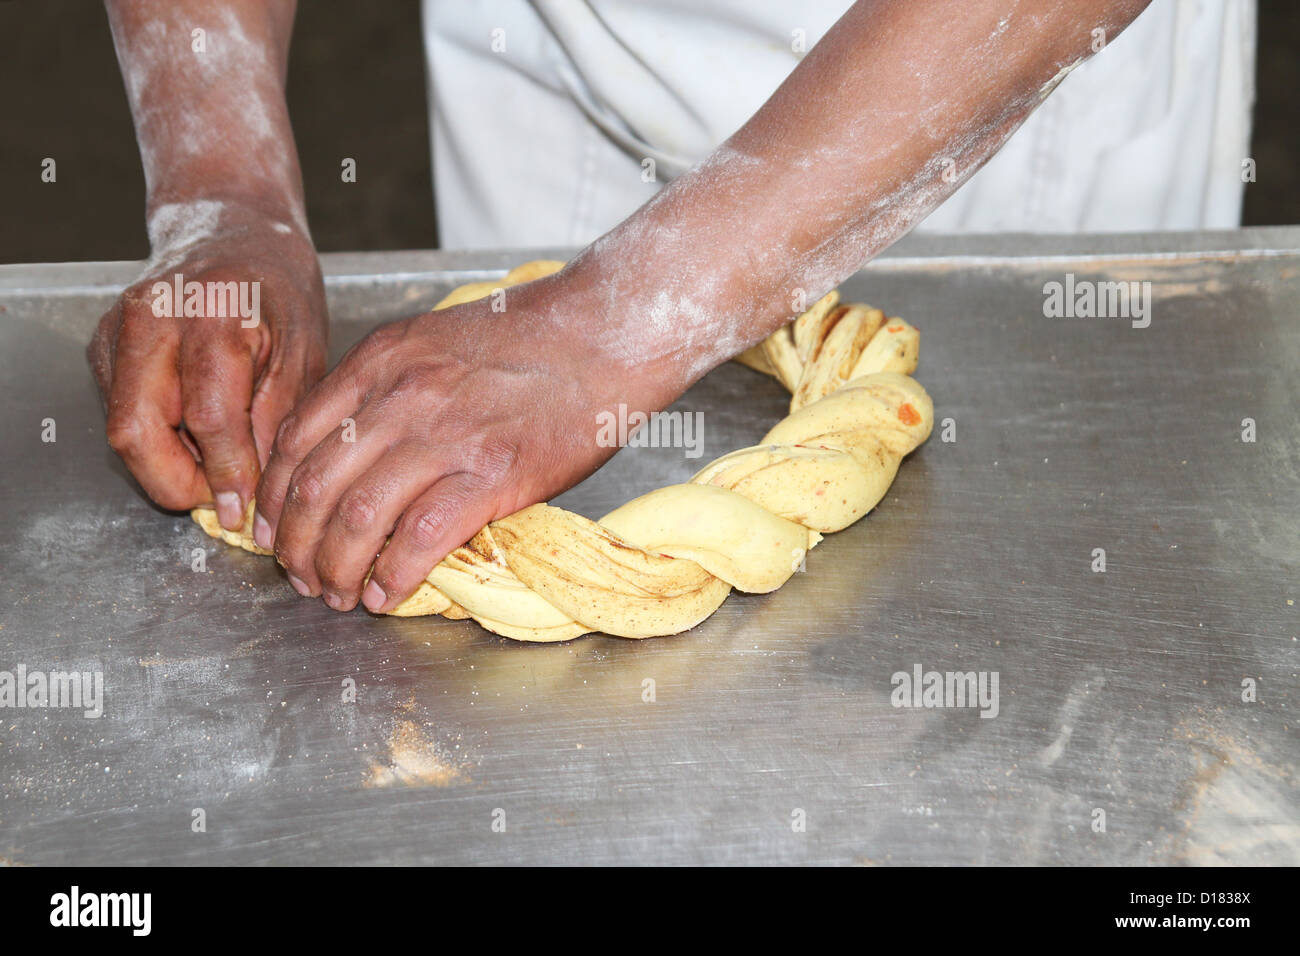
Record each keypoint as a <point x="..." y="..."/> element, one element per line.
<point x="664" y="562"/>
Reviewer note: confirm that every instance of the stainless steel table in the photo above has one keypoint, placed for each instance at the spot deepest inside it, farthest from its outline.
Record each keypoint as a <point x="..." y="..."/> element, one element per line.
<point x="1120" y="693"/>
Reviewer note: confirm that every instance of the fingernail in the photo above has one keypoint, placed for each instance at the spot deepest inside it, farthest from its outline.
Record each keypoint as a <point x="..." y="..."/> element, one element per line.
<point x="373" y="597"/>
<point x="334" y="601"/>
<point x="229" y="510"/>
<point x="299" y="586"/>
<point x="262" y="532"/>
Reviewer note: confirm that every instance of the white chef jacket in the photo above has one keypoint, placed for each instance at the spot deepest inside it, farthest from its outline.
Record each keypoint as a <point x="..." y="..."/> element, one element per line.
<point x="544" y="113"/>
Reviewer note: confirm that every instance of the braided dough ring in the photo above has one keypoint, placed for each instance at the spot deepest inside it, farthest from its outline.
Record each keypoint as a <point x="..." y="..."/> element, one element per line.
<point x="664" y="562"/>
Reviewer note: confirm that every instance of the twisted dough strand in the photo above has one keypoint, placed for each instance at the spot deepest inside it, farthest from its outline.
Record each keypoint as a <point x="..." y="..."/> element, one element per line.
<point x="664" y="562"/>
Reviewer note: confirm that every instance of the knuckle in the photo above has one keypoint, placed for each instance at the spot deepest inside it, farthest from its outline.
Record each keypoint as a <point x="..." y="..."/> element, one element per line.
<point x="137" y="316"/>
<point x="136" y="301"/>
<point x="387" y="335"/>
<point x="290" y="436"/>
<point x="359" y="510"/>
<point x="493" y="460"/>
<point x="375" y="345"/>
<point x="207" y="416"/>
<point x="416" y="379"/>
<point x="425" y="527"/>
<point x="140" y="294"/>
<point x="125" y="432"/>
<point x="306" y="488"/>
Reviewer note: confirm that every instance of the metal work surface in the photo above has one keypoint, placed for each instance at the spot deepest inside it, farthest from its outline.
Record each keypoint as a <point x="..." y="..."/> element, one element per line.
<point x="1120" y="692"/>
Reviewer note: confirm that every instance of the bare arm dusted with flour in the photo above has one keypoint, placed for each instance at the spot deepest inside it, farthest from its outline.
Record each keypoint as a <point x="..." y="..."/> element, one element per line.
<point x="224" y="205"/>
<point x="467" y="415"/>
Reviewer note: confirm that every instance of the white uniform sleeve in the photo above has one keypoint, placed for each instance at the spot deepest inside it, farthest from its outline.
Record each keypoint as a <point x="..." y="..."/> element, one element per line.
<point x="553" y="120"/>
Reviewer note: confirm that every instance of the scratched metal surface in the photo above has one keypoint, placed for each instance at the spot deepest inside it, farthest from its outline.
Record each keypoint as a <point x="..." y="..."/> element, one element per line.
<point x="1119" y="691"/>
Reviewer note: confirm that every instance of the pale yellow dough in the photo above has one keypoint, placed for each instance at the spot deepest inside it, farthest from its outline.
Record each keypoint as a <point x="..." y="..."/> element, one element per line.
<point x="664" y="562"/>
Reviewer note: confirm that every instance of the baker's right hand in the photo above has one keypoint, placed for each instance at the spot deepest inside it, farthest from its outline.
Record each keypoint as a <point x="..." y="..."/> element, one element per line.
<point x="193" y="402"/>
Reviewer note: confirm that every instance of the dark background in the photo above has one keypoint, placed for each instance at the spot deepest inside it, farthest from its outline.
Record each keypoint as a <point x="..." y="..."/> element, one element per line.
<point x="356" y="88"/>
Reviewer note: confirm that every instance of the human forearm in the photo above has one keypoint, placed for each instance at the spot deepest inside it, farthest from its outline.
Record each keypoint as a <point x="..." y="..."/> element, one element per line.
<point x="886" y="117"/>
<point x="212" y="124"/>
